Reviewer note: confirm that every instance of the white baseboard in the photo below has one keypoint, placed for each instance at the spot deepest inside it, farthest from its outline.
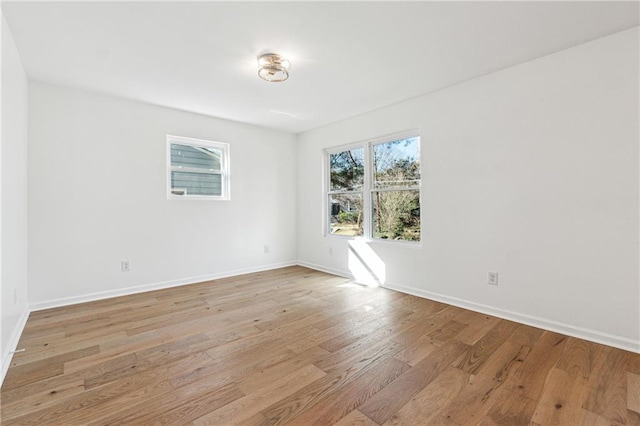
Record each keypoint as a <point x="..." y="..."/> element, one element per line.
<point x="546" y="324"/>
<point x="325" y="269"/>
<point x="7" y="355"/>
<point x="92" y="297"/>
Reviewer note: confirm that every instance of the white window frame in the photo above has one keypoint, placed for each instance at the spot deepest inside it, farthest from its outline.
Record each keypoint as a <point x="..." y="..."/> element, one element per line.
<point x="368" y="188"/>
<point x="328" y="191"/>
<point x="224" y="168"/>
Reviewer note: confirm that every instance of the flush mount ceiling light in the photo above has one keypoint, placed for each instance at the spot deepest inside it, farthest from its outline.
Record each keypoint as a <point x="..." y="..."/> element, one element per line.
<point x="273" y="68"/>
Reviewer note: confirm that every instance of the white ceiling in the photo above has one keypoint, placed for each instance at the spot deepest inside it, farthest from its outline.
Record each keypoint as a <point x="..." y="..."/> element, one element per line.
<point x="347" y="57"/>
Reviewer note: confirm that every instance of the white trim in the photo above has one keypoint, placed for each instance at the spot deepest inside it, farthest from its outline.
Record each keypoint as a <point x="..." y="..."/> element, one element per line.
<point x="92" y="297"/>
<point x="325" y="269"/>
<point x="396" y="188"/>
<point x="534" y="321"/>
<point x="403" y="243"/>
<point x="345" y="147"/>
<point x="612" y="340"/>
<point x="12" y="345"/>
<point x="391" y="137"/>
<point x="182" y="140"/>
<point x="195" y="170"/>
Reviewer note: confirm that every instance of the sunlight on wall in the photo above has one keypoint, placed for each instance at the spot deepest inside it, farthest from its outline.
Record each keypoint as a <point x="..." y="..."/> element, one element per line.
<point x="365" y="265"/>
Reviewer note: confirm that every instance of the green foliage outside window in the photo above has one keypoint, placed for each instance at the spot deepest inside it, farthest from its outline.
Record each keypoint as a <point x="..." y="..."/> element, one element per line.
<point x="396" y="210"/>
<point x="391" y="189"/>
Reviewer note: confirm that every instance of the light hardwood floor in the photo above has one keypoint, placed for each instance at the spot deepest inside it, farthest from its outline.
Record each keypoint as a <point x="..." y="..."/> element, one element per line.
<point x="299" y="346"/>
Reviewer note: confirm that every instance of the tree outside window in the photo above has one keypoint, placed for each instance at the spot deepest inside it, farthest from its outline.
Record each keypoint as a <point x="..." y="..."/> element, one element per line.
<point x="374" y="190"/>
<point x="395" y="195"/>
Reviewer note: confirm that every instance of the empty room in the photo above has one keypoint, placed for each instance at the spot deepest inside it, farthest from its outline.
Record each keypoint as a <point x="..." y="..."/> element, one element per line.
<point x="351" y="213"/>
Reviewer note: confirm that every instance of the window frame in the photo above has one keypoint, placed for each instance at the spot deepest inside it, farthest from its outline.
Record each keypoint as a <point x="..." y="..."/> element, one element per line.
<point x="368" y="187"/>
<point x="224" y="168"/>
<point x="328" y="191"/>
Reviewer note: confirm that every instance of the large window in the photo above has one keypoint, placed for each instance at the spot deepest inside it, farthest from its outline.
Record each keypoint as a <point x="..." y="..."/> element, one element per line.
<point x="374" y="189"/>
<point x="197" y="169"/>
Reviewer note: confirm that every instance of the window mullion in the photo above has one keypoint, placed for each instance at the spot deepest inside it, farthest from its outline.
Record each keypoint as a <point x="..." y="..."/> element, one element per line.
<point x="338" y="192"/>
<point x="396" y="188"/>
<point x="195" y="170"/>
<point x="367" y="195"/>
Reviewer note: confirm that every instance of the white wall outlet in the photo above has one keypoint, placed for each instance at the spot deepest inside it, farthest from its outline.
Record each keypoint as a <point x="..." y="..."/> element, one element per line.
<point x="330" y="251"/>
<point x="492" y="278"/>
<point x="125" y="266"/>
<point x="266" y="249"/>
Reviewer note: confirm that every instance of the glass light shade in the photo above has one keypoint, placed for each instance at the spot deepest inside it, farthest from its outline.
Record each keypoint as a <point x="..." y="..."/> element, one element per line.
<point x="273" y="68"/>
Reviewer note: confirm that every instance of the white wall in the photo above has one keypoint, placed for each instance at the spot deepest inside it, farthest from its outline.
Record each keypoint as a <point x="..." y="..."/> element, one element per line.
<point x="13" y="197"/>
<point x="532" y="172"/>
<point x="97" y="187"/>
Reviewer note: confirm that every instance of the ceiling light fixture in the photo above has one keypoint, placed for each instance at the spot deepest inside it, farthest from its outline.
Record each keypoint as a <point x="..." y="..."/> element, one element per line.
<point x="273" y="68"/>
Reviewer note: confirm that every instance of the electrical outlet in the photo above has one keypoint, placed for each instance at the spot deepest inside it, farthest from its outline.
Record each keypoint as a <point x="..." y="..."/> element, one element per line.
<point x="125" y="266"/>
<point x="266" y="249"/>
<point x="330" y="251"/>
<point x="492" y="278"/>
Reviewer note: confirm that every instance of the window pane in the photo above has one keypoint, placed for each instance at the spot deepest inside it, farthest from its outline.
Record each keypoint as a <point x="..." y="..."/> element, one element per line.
<point x="396" y="215"/>
<point x="345" y="214"/>
<point x="195" y="157"/>
<point x="188" y="183"/>
<point x="347" y="170"/>
<point x="197" y="168"/>
<point x="397" y="163"/>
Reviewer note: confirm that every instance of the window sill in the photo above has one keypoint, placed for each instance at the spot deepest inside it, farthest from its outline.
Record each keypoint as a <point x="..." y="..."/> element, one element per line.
<point x="401" y="243"/>
<point x="197" y="197"/>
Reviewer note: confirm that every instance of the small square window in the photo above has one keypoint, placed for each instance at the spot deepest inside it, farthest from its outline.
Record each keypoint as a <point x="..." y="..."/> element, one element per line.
<point x="197" y="169"/>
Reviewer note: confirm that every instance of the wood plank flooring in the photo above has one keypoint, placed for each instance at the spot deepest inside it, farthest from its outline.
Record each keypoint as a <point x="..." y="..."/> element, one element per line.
<point x="297" y="346"/>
